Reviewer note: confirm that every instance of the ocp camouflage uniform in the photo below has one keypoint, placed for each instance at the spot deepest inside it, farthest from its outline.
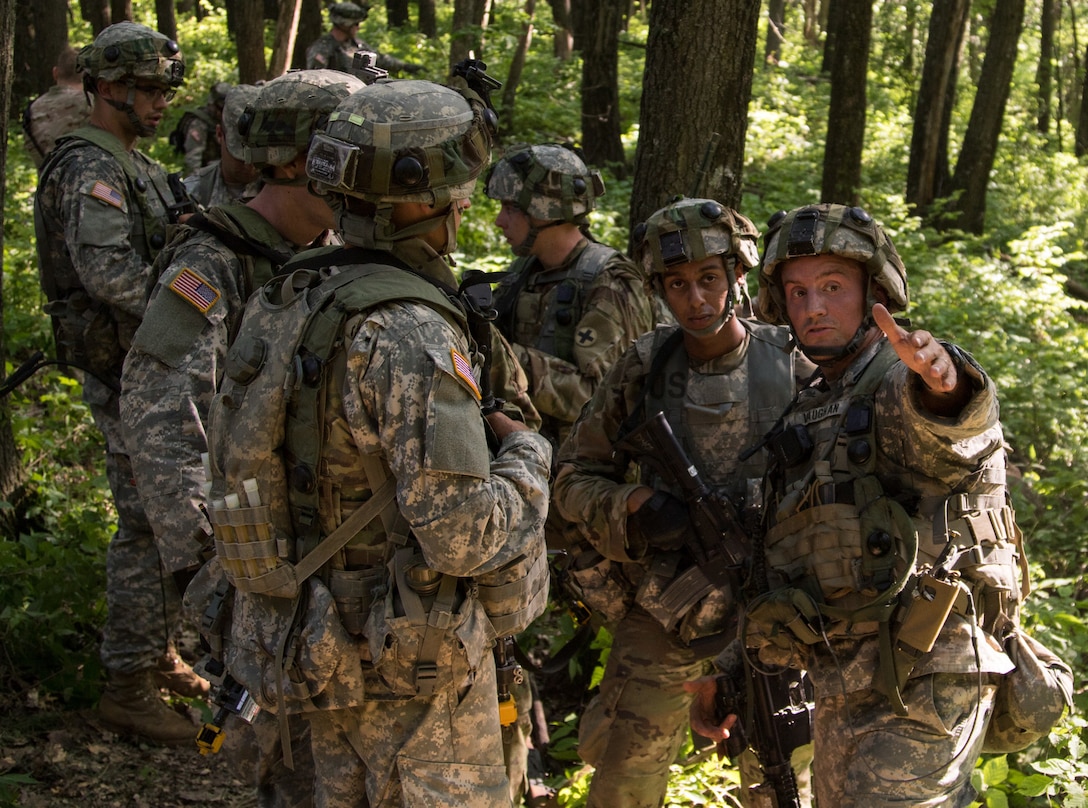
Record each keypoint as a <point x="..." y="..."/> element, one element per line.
<point x="98" y="230"/>
<point x="609" y="310"/>
<point x="632" y="729"/>
<point x="62" y="109"/>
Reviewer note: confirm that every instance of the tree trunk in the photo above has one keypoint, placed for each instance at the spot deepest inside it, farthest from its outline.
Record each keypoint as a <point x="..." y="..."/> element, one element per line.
<point x="120" y="10"/>
<point x="97" y="13"/>
<point x="517" y="64"/>
<point x="1080" y="146"/>
<point x="927" y="171"/>
<point x="428" y="19"/>
<point x="166" y="22"/>
<point x="310" y="26"/>
<point x="846" y="113"/>
<point x="979" y="147"/>
<point x="564" y="29"/>
<point x="1045" y="71"/>
<point x="248" y="18"/>
<point x="41" y="33"/>
<point x="396" y="13"/>
<point x="597" y="25"/>
<point x="812" y="22"/>
<point x="690" y="77"/>
<point x="776" y="31"/>
<point x="11" y="472"/>
<point x="469" y="24"/>
<point x="286" y="33"/>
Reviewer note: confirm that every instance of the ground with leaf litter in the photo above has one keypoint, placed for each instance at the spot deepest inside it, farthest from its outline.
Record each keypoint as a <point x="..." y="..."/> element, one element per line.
<point x="55" y="759"/>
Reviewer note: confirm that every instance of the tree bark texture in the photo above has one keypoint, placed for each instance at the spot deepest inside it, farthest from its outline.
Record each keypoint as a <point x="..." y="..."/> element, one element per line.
<point x="846" y="113"/>
<point x="41" y="33"/>
<point x="97" y="13"/>
<point x="428" y="19"/>
<point x="517" y="64"/>
<point x="249" y="27"/>
<point x="396" y="13"/>
<point x="469" y="24"/>
<point x="286" y="33"/>
<point x="1044" y="73"/>
<point x="310" y="26"/>
<point x="597" y="25"/>
<point x="976" y="159"/>
<point x="166" y="21"/>
<point x="1080" y="146"/>
<point x="693" y="87"/>
<point x="776" y="31"/>
<point x="564" y="29"/>
<point x="927" y="170"/>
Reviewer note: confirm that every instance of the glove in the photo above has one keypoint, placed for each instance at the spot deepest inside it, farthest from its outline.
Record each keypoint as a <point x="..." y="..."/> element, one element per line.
<point x="662" y="522"/>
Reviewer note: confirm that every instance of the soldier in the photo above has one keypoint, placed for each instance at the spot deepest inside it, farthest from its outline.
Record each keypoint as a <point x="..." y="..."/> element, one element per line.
<point x="891" y="546"/>
<point x="570" y="307"/>
<point x="194" y="136"/>
<point x="64" y="107"/>
<point x="177" y="356"/>
<point x="230" y="178"/>
<point x="100" y="217"/>
<point x="720" y="380"/>
<point x="336" y="48"/>
<point x="393" y="664"/>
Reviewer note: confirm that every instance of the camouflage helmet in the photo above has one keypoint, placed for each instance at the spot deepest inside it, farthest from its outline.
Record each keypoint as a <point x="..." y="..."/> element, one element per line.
<point x="404" y="140"/>
<point x="549" y="182"/>
<point x="691" y="230"/>
<point x="128" y="50"/>
<point x="217" y="95"/>
<point x="827" y="229"/>
<point x="278" y="124"/>
<point x="345" y="15"/>
<point x="235" y="102"/>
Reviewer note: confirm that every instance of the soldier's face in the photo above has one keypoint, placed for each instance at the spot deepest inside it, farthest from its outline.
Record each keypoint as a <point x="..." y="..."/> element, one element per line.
<point x="825" y="298"/>
<point x="514" y="223"/>
<point x="149" y="101"/>
<point x="697" y="292"/>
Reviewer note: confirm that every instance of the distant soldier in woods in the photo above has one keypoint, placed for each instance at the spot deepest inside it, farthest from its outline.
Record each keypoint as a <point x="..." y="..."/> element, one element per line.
<point x="194" y="136"/>
<point x="336" y="48"/>
<point x="230" y="178"/>
<point x="63" y="108"/>
<point x="100" y="217"/>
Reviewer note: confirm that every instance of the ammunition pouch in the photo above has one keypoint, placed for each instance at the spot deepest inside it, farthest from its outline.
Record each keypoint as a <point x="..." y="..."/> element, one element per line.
<point x="514" y="595"/>
<point x="598" y="582"/>
<point x="680" y="596"/>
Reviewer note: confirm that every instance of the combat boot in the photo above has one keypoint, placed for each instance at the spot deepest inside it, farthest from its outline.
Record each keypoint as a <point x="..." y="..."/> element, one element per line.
<point x="131" y="705"/>
<point x="174" y="674"/>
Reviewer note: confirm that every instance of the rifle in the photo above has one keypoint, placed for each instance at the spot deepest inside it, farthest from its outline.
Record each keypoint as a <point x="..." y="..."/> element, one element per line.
<point x="774" y="705"/>
<point x="719" y="546"/>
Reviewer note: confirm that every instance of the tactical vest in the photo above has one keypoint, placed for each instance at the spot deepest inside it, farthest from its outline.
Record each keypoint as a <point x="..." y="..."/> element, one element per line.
<point x="546" y="317"/>
<point x="302" y="608"/>
<point x="84" y="329"/>
<point x="846" y="552"/>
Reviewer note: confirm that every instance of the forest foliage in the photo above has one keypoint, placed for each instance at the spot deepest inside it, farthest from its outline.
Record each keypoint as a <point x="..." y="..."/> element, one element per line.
<point x="1001" y="295"/>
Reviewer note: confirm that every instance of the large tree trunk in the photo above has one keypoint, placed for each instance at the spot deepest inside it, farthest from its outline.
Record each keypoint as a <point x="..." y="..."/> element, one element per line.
<point x="469" y="24"/>
<point x="97" y="13"/>
<point x="41" y="33"/>
<point x="927" y="171"/>
<point x="517" y="64"/>
<point x="11" y="473"/>
<point x="979" y="147"/>
<point x="248" y="16"/>
<point x="564" y="29"/>
<point x="1044" y="72"/>
<point x="846" y="113"/>
<point x="120" y="10"/>
<point x="396" y="13"/>
<point x="690" y="78"/>
<point x="428" y="19"/>
<point x="167" y="22"/>
<point x="597" y="25"/>
<point x="310" y="26"/>
<point x="1080" y="146"/>
<point x="286" y="32"/>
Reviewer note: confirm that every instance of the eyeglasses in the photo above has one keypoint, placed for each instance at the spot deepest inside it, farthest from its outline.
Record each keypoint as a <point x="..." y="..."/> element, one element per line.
<point x="155" y="93"/>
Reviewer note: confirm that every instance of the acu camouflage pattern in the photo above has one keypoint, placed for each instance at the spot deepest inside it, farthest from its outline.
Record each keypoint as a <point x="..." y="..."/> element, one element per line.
<point x="128" y="50"/>
<point x="633" y="729"/>
<point x="397" y="397"/>
<point x="199" y="144"/>
<point x="208" y="189"/>
<point x="606" y="315"/>
<point x="175" y="367"/>
<point x="95" y="255"/>
<point x="62" y="109"/>
<point x="924" y="459"/>
<point x="549" y="182"/>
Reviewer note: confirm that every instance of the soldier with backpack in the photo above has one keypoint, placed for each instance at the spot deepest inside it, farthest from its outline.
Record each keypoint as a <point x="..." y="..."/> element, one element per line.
<point x="209" y="270"/>
<point x="378" y="513"/>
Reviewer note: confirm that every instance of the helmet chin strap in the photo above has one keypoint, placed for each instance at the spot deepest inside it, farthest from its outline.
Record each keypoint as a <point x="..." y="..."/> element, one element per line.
<point x="128" y="107"/>
<point x="829" y="354"/>
<point x="378" y="232"/>
<point x="526" y="246"/>
<point x="727" y="314"/>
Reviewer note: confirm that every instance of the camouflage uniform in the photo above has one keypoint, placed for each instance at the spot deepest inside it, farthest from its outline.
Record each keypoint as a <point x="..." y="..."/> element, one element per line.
<point x="199" y="145"/>
<point x="400" y="401"/>
<point x="100" y="218"/>
<point x="331" y="53"/>
<point x="176" y="364"/>
<point x="633" y="729"/>
<point x="206" y="186"/>
<point x="821" y="540"/>
<point x="62" y="109"/>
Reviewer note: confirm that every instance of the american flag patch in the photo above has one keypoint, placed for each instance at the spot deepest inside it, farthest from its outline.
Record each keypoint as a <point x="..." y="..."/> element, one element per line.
<point x="109" y="195"/>
<point x="463" y="368"/>
<point x="195" y="289"/>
